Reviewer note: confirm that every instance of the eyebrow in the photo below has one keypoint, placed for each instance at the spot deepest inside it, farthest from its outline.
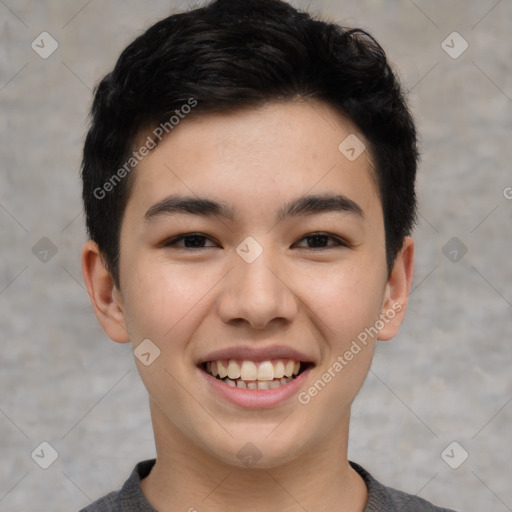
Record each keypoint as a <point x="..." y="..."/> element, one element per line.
<point x="204" y="207"/>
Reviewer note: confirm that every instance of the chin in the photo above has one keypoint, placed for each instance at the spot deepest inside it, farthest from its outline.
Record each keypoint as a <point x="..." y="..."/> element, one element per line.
<point x="259" y="451"/>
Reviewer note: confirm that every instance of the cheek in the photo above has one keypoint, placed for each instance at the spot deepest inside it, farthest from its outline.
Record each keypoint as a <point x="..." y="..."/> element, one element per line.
<point x="161" y="300"/>
<point x="345" y="300"/>
<point x="349" y="304"/>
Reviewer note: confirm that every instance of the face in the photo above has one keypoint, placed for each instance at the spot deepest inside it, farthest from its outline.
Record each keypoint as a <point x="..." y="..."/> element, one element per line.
<point x="284" y="262"/>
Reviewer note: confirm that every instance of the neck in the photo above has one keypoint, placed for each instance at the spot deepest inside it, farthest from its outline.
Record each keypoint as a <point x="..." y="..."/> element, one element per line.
<point x="187" y="478"/>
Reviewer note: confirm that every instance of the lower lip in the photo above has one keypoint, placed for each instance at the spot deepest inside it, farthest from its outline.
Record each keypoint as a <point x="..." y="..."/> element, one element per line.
<point x="255" y="398"/>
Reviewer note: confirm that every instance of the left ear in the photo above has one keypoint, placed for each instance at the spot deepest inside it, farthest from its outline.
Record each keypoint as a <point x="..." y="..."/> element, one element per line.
<point x="398" y="288"/>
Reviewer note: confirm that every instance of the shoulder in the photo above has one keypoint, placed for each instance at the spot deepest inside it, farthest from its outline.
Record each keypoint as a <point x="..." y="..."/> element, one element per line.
<point x="130" y="497"/>
<point x="107" y="503"/>
<point x="404" y="501"/>
<point x="385" y="499"/>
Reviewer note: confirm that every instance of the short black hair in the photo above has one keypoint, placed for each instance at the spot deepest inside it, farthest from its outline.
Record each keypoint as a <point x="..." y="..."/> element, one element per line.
<point x="232" y="54"/>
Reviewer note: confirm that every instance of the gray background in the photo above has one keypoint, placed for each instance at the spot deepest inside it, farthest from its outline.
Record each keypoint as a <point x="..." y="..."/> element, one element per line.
<point x="446" y="377"/>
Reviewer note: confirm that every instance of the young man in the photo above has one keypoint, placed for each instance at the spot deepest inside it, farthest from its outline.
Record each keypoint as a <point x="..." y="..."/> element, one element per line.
<point x="249" y="191"/>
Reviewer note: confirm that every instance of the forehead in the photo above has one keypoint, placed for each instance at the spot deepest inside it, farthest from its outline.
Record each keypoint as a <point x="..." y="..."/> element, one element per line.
<point x="252" y="156"/>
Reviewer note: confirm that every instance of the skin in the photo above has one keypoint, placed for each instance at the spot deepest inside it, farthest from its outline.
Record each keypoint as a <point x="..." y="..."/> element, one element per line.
<point x="191" y="301"/>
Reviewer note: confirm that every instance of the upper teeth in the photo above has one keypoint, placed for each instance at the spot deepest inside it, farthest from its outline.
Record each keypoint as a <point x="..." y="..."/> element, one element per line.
<point x="250" y="370"/>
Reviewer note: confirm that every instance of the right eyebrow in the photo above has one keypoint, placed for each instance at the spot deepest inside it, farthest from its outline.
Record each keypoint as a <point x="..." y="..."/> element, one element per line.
<point x="202" y="206"/>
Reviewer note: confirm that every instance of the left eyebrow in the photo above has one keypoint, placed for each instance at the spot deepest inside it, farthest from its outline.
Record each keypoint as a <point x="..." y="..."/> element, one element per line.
<point x="317" y="204"/>
<point x="305" y="205"/>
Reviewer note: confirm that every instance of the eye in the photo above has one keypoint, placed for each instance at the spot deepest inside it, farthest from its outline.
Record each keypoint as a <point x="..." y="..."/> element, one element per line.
<point x="319" y="239"/>
<point x="191" y="240"/>
<point x="197" y="241"/>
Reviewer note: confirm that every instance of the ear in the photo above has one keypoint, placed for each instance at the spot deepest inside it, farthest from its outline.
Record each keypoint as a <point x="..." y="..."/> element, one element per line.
<point x="397" y="292"/>
<point x="105" y="298"/>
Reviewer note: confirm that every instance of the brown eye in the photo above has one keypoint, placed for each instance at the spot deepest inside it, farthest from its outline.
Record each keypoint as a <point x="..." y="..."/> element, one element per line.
<point x="319" y="241"/>
<point x="190" y="241"/>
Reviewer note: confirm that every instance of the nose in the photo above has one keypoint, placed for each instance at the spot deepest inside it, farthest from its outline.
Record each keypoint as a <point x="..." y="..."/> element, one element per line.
<point x="256" y="293"/>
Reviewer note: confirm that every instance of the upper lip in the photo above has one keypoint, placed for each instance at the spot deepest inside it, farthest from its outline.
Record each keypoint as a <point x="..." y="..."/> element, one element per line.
<point x="251" y="353"/>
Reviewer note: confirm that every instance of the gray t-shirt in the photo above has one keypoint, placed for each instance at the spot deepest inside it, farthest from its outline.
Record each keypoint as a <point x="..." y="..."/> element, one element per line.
<point x="130" y="497"/>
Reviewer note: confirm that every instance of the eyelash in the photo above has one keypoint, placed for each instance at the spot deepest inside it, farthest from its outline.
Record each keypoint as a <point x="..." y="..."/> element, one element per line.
<point x="173" y="241"/>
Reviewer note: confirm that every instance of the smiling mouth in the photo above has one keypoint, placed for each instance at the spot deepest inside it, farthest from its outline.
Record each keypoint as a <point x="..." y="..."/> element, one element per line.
<point x="254" y="375"/>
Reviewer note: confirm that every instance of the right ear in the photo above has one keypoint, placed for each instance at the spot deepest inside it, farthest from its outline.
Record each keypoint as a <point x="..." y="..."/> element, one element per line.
<point x="105" y="297"/>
